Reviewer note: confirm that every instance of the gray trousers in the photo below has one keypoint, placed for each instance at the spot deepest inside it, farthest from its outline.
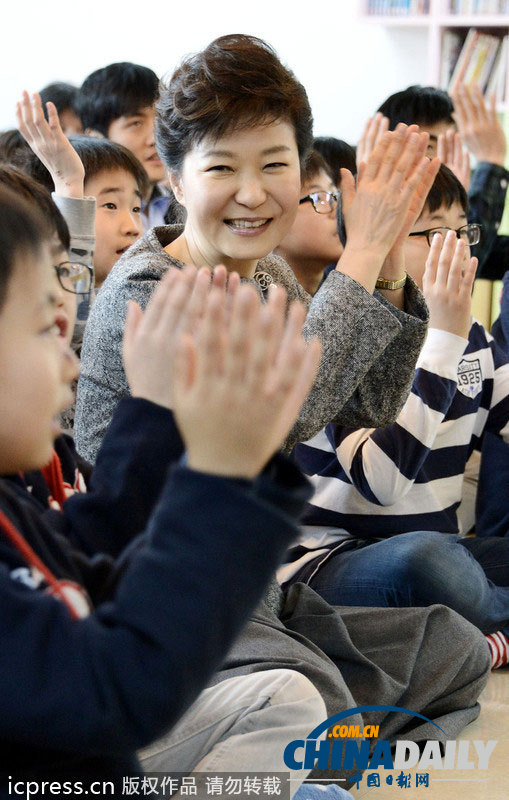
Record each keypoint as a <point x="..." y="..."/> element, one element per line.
<point x="241" y="725"/>
<point x="430" y="660"/>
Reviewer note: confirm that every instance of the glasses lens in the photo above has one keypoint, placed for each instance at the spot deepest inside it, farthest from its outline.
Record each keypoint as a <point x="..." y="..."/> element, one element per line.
<point x="74" y="278"/>
<point x="442" y="231"/>
<point x="323" y="202"/>
<point x="471" y="234"/>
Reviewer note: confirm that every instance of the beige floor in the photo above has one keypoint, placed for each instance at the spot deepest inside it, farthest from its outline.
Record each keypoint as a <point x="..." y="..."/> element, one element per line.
<point x="493" y="723"/>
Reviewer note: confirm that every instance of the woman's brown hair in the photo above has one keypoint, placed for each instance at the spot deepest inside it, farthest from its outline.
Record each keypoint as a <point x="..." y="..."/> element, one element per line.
<point x="237" y="82"/>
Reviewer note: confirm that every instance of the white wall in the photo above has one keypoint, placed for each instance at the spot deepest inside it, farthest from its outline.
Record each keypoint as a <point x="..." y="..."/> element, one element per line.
<point x="347" y="66"/>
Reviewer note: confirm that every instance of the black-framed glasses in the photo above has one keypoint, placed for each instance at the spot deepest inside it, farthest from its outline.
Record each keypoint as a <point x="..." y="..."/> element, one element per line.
<point x="74" y="277"/>
<point x="323" y="202"/>
<point x="471" y="234"/>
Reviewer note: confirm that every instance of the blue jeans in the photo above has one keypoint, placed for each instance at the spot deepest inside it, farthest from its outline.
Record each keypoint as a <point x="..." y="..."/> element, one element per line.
<point x="421" y="568"/>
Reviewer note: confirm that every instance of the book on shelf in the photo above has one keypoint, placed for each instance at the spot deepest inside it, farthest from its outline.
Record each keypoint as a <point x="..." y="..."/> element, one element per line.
<point x="488" y="7"/>
<point x="398" y="8"/>
<point x="479" y="58"/>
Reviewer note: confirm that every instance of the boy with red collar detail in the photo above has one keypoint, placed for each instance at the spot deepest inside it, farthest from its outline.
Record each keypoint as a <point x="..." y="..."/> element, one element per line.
<point x="81" y="692"/>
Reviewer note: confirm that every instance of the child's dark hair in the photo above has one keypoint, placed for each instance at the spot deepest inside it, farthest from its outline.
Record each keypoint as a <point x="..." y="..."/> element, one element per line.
<point x="22" y="231"/>
<point x="314" y="164"/>
<point x="446" y="190"/>
<point x="237" y="82"/>
<point x="36" y="196"/>
<point x="118" y="90"/>
<point x="12" y="147"/>
<point x="63" y="95"/>
<point x="337" y="154"/>
<point x="96" y="155"/>
<point x="419" y="105"/>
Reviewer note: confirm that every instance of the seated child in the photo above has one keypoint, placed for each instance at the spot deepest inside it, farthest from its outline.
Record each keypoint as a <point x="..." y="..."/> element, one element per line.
<point x="99" y="661"/>
<point x="312" y="243"/>
<point x="91" y="167"/>
<point x="118" y="102"/>
<point x="71" y="280"/>
<point x="382" y="496"/>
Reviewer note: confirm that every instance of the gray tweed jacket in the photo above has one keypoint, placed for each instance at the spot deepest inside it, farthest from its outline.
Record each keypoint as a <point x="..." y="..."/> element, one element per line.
<point x="369" y="347"/>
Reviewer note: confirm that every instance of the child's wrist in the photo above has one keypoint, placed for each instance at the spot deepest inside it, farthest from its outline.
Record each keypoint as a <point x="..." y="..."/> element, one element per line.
<point x="74" y="187"/>
<point x="212" y="464"/>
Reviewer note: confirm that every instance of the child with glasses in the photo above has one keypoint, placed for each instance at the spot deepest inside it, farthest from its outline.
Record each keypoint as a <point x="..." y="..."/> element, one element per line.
<point x="385" y="497"/>
<point x="312" y="243"/>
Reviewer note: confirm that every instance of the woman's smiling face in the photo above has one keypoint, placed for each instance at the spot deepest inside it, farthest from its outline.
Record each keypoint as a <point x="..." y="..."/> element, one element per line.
<point x="241" y="194"/>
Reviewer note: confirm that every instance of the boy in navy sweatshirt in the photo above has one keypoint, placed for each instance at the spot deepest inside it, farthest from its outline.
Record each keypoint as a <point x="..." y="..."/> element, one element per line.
<point x="101" y="655"/>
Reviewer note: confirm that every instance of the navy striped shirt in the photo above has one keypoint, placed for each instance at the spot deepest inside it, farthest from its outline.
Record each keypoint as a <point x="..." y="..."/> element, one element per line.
<point x="408" y="476"/>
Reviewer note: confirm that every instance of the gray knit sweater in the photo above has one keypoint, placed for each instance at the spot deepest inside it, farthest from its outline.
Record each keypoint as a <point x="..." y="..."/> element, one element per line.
<point x="369" y="347"/>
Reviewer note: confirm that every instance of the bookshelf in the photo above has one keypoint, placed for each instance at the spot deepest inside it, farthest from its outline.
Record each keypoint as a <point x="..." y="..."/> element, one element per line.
<point x="444" y="29"/>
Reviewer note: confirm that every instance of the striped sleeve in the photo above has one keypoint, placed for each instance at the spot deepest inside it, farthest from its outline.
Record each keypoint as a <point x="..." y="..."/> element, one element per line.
<point x="383" y="463"/>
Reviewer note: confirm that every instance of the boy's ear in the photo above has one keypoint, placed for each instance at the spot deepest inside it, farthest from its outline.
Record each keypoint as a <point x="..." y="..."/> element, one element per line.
<point x="176" y="187"/>
<point x="94" y="133"/>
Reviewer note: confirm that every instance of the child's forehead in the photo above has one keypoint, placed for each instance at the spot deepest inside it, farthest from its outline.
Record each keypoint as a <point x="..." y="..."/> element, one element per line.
<point x="111" y="179"/>
<point x="319" y="181"/>
<point x="443" y="213"/>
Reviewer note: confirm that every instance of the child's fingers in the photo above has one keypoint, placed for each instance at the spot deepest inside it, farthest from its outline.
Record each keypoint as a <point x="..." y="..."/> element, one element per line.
<point x="468" y="277"/>
<point x="454" y="277"/>
<point x="265" y="334"/>
<point x="170" y="314"/>
<point x="430" y="271"/>
<point x="245" y="311"/>
<point x="220" y="276"/>
<point x="211" y="338"/>
<point x="446" y="256"/>
<point x="37" y="112"/>
<point x="25" y="119"/>
<point x="194" y="309"/>
<point x="170" y="295"/>
<point x="53" y="118"/>
<point x="185" y="364"/>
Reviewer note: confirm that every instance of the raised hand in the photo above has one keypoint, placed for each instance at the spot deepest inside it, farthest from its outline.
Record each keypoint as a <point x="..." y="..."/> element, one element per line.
<point x="447" y="284"/>
<point x="451" y="152"/>
<point x="389" y="191"/>
<point x="478" y="124"/>
<point x="50" y="145"/>
<point x="239" y="384"/>
<point x="176" y="307"/>
<point x="373" y="131"/>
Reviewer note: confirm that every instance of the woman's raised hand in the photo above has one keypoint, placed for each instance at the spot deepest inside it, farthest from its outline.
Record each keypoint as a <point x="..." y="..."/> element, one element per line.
<point x="388" y="193"/>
